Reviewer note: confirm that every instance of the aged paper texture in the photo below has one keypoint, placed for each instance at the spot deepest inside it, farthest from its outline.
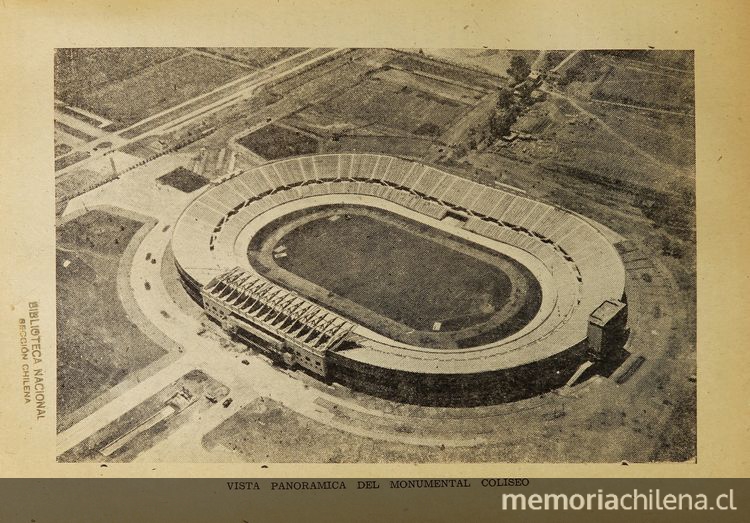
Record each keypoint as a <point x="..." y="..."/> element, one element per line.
<point x="338" y="240"/>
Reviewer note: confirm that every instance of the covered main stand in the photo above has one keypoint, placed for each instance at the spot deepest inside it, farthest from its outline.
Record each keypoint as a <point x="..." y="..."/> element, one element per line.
<point x="283" y="324"/>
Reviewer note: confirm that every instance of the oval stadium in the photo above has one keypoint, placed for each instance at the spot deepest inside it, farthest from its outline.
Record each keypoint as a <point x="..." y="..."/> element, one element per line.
<point x="401" y="280"/>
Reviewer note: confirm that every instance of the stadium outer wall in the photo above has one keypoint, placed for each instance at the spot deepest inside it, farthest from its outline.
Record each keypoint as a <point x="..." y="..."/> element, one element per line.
<point x="459" y="390"/>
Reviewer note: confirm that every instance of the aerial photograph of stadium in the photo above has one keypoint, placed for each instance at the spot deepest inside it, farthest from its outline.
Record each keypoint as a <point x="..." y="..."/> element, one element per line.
<point x="375" y="255"/>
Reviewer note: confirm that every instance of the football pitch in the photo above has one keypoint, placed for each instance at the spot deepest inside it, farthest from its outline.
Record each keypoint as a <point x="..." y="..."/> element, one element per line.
<point x="399" y="277"/>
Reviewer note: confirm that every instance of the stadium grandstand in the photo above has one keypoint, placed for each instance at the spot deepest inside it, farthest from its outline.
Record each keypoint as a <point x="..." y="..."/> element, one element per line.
<point x="576" y="266"/>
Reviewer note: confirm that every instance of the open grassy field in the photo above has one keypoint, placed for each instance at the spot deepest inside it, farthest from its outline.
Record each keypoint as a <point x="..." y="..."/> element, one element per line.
<point x="494" y="61"/>
<point x="183" y="179"/>
<point x="296" y="87"/>
<point x="78" y="115"/>
<point x="72" y="131"/>
<point x="372" y="263"/>
<point x="634" y="85"/>
<point x="97" y="345"/>
<point x="197" y="384"/>
<point x="629" y="154"/>
<point x="273" y="142"/>
<point x="344" y="68"/>
<point x="400" y="277"/>
<point x="669" y="137"/>
<point x="451" y="91"/>
<point x="70" y="159"/>
<point x="399" y="106"/>
<point x="405" y="147"/>
<point x="265" y="431"/>
<point x="156" y="87"/>
<point x="675" y="60"/>
<point x="450" y="72"/>
<point x="257" y="57"/>
<point x="61" y="148"/>
<point x="80" y="70"/>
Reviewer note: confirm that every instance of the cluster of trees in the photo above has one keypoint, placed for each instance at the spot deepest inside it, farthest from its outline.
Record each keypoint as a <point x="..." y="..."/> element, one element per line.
<point x="507" y="109"/>
<point x="501" y="120"/>
<point x="519" y="68"/>
<point x="505" y="114"/>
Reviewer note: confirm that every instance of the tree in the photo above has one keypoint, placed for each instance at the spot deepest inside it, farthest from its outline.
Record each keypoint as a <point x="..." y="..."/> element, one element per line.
<point x="500" y="124"/>
<point x="572" y="74"/>
<point x="672" y="247"/>
<point x="504" y="98"/>
<point x="519" y="68"/>
<point x="472" y="138"/>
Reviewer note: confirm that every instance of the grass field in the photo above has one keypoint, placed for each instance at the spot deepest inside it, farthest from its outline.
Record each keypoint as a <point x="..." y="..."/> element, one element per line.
<point x="156" y="87"/>
<point x="83" y="69"/>
<point x="400" y="277"/>
<point x="196" y="382"/>
<point x="72" y="131"/>
<point x="183" y="179"/>
<point x="97" y="345"/>
<point x="372" y="262"/>
<point x="273" y="142"/>
<point x="407" y="147"/>
<point x="494" y="61"/>
<point x="676" y="60"/>
<point x="265" y="431"/>
<point x="420" y="64"/>
<point x="66" y="161"/>
<point x="78" y="115"/>
<point x="61" y="149"/>
<point x="451" y="91"/>
<point x="257" y="57"/>
<point x="671" y="138"/>
<point x="632" y="86"/>
<point x="583" y="149"/>
<point x="375" y="101"/>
